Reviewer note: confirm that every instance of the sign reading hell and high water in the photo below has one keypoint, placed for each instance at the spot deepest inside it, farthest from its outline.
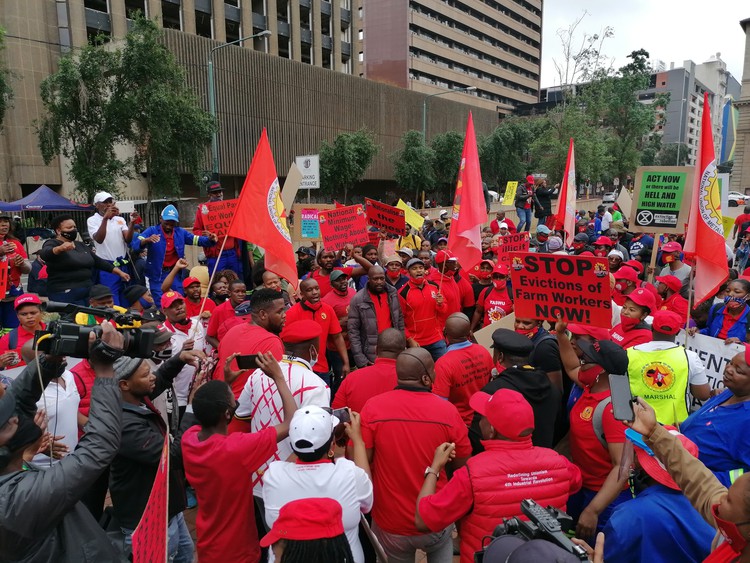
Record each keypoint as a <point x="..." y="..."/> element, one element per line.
<point x="661" y="199"/>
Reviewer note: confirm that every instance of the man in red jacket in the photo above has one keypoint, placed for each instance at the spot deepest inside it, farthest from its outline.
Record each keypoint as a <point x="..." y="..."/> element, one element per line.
<point x="668" y="288"/>
<point x="421" y="302"/>
<point x="493" y="483"/>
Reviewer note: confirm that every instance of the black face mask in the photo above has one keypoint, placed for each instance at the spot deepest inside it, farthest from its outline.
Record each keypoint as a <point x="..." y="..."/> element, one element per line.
<point x="69" y="235"/>
<point x="28" y="433"/>
<point x="221" y="297"/>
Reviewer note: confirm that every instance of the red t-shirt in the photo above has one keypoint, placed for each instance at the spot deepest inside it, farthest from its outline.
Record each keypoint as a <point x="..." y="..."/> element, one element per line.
<point x="246" y="339"/>
<point x="632" y="337"/>
<point x="727" y="323"/>
<point x="220" y="314"/>
<point x="586" y="450"/>
<point x="170" y="254"/>
<point x="23" y="337"/>
<point x="744" y="218"/>
<point x="364" y="383"/>
<point x="194" y="308"/>
<point x="220" y="470"/>
<point x="340" y="304"/>
<point x="461" y="373"/>
<point x="84" y="376"/>
<point x="382" y="311"/>
<point x="325" y="281"/>
<point x="325" y="317"/>
<point x="495" y="304"/>
<point x="14" y="273"/>
<point x="404" y="426"/>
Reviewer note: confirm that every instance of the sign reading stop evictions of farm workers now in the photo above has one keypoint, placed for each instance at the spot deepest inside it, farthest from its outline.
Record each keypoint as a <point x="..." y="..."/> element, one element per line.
<point x="661" y="199"/>
<point x="548" y="285"/>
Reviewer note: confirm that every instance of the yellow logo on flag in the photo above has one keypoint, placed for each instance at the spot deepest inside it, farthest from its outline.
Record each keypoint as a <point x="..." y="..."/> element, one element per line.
<point x="710" y="199"/>
<point x="276" y="210"/>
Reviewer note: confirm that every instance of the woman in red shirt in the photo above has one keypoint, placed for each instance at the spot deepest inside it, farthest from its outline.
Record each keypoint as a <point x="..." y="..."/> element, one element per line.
<point x="633" y="329"/>
<point x="14" y="258"/>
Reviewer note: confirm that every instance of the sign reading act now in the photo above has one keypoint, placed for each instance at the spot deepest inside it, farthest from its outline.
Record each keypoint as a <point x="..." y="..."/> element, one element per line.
<point x="659" y="198"/>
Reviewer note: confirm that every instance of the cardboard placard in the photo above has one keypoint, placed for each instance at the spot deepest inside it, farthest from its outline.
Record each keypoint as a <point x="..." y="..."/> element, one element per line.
<point x="517" y="242"/>
<point x="484" y="335"/>
<point x="218" y="215"/>
<point x="345" y="225"/>
<point x="548" y="285"/>
<point x="291" y="187"/>
<point x="661" y="199"/>
<point x="625" y="203"/>
<point x="509" y="198"/>
<point x="386" y="217"/>
<point x="150" y="537"/>
<point x="412" y="217"/>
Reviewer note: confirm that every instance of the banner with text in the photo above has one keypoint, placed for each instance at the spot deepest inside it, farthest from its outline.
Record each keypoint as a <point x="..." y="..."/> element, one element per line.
<point x="509" y="198"/>
<point x="517" y="242"/>
<point x="217" y="216"/>
<point x="661" y="199"/>
<point x="309" y="166"/>
<point x="715" y="355"/>
<point x="412" y="217"/>
<point x="309" y="226"/>
<point x="150" y="536"/>
<point x="343" y="225"/>
<point x="385" y="217"/>
<point x="548" y="285"/>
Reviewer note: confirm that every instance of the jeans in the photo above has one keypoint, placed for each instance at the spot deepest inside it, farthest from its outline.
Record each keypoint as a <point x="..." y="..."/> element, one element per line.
<point x="542" y="221"/>
<point x="227" y="261"/>
<point x="77" y="296"/>
<point x="580" y="500"/>
<point x="180" y="545"/>
<point x="524" y="219"/>
<point x="436" y="349"/>
<point x="403" y="549"/>
<point x="155" y="284"/>
<point x="337" y="366"/>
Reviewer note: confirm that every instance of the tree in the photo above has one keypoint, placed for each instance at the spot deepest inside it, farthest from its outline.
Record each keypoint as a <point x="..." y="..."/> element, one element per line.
<point x="344" y="162"/>
<point x="86" y="119"/>
<point x="447" y="147"/>
<point x="6" y="91"/>
<point x="413" y="165"/>
<point x="503" y="154"/>
<point x="667" y="156"/>
<point x="166" y="124"/>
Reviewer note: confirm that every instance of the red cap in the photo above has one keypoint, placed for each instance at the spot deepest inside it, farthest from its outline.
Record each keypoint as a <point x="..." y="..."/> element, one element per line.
<point x="506" y="410"/>
<point x="530" y="179"/>
<point x="586" y="253"/>
<point x="187" y="282"/>
<point x="501" y="269"/>
<point x="170" y="297"/>
<point x="300" y="331"/>
<point x="443" y="255"/>
<point x="672" y="246"/>
<point x="627" y="274"/>
<point x="306" y="519"/>
<point x="643" y="298"/>
<point x="635" y="264"/>
<point x="655" y="469"/>
<point x="672" y="282"/>
<point x="604" y="241"/>
<point x="479" y="264"/>
<point x="27" y="299"/>
<point x="667" y="322"/>
<point x="586" y="330"/>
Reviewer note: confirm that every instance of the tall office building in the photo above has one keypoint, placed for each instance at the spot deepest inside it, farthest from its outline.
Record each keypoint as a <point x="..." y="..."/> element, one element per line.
<point x="429" y="46"/>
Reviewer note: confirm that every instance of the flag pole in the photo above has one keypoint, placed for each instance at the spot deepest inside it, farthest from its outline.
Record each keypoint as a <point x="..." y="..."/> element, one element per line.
<point x="690" y="302"/>
<point x="210" y="281"/>
<point x="442" y="275"/>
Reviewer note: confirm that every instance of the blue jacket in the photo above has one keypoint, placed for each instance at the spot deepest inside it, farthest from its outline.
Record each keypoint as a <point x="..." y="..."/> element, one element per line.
<point x="157" y="250"/>
<point x="716" y="319"/>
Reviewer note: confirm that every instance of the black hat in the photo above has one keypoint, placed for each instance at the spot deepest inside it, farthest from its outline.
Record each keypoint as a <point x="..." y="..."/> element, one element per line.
<point x="510" y="341"/>
<point x="99" y="291"/>
<point x="306" y="250"/>
<point x="581" y="237"/>
<point x="214" y="187"/>
<point x="134" y="293"/>
<point x="610" y="356"/>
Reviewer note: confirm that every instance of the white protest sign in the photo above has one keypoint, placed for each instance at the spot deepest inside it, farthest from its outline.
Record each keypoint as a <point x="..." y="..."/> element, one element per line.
<point x="309" y="165"/>
<point x="715" y="355"/>
<point x="484" y="335"/>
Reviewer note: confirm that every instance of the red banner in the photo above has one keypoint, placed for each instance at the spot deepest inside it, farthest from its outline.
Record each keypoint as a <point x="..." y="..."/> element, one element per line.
<point x="343" y="225"/>
<point x="548" y="285"/>
<point x="386" y="217"/>
<point x="517" y="242"/>
<point x="150" y="536"/>
<point x="218" y="215"/>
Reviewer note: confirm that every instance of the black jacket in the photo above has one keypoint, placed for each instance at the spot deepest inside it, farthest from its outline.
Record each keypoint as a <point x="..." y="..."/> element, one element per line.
<point x="543" y="201"/>
<point x="537" y="389"/>
<point x="134" y="467"/>
<point x="41" y="518"/>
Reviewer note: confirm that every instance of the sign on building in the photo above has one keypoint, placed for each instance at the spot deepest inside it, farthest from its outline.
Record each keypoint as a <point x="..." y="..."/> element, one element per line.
<point x="309" y="165"/>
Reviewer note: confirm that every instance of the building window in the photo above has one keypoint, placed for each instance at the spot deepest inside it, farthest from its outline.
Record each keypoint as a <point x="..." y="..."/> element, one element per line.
<point x="233" y="30"/>
<point x="235" y="3"/>
<point x="360" y="35"/>
<point x="171" y="16"/>
<point x="307" y="54"/>
<point x="259" y="7"/>
<point x="134" y="6"/>
<point x="361" y="57"/>
<point x="326" y="59"/>
<point x="282" y="11"/>
<point x="284" y="47"/>
<point x="97" y="5"/>
<point x="203" y="25"/>
<point x="325" y="25"/>
<point x="304" y="17"/>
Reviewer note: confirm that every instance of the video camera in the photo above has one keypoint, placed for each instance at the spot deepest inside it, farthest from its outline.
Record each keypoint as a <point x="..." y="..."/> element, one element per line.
<point x="548" y="524"/>
<point x="71" y="339"/>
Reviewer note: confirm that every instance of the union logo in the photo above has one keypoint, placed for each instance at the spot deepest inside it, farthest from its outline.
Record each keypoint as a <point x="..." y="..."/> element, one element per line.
<point x="710" y="198"/>
<point x="276" y="210"/>
<point x="587" y="413"/>
<point x="658" y="376"/>
<point x="600" y="270"/>
<point x="495" y="314"/>
<point x="323" y="316"/>
<point x="517" y="264"/>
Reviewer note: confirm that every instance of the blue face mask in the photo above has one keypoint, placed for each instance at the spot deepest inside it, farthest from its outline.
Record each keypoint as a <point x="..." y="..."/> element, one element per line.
<point x="729" y="299"/>
<point x="145" y="304"/>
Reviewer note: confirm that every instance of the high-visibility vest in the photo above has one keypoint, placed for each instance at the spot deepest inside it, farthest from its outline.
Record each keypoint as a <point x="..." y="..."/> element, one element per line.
<point x="661" y="378"/>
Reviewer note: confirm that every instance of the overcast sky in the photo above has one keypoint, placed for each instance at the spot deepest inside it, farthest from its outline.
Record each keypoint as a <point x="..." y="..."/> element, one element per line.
<point x="670" y="30"/>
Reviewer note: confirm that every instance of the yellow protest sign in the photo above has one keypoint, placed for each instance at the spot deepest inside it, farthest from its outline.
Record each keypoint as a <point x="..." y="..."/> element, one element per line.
<point x="412" y="217"/>
<point x="728" y="223"/>
<point x="510" y="193"/>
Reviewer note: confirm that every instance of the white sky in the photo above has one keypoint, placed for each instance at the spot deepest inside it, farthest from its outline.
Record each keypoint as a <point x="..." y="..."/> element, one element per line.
<point x="670" y="30"/>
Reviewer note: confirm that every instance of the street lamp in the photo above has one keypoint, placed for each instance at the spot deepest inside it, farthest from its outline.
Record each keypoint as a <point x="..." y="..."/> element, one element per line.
<point x="212" y="94"/>
<point x="424" y="106"/>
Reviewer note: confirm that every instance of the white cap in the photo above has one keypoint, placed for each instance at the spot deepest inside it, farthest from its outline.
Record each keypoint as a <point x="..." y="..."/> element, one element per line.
<point x="311" y="429"/>
<point x="444" y="213"/>
<point x="503" y="225"/>
<point x="616" y="253"/>
<point x="101" y="197"/>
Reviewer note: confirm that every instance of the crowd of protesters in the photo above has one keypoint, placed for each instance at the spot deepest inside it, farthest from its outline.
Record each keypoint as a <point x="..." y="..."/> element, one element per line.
<point x="356" y="417"/>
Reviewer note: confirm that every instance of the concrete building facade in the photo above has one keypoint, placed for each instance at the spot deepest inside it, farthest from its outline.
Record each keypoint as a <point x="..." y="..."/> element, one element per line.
<point x="741" y="171"/>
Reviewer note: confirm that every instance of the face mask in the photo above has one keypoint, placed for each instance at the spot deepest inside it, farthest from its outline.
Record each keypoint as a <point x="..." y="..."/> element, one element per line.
<point x="578" y="245"/>
<point x="628" y="323"/>
<point x="587" y="376"/>
<point x="313" y="356"/>
<point x="500" y="285"/>
<point x="162" y="355"/>
<point x="668" y="259"/>
<point x="730" y="530"/>
<point x="619" y="287"/>
<point x="145" y="304"/>
<point x="221" y="297"/>
<point x="27" y="433"/>
<point x="69" y="235"/>
<point x="483" y="275"/>
<point x="527" y="333"/>
<point x="542" y="238"/>
<point x="734" y="302"/>
<point x="602" y="253"/>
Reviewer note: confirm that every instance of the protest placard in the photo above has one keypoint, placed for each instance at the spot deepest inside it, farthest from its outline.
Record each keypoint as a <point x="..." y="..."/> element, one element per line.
<point x="150" y="536"/>
<point x="548" y="285"/>
<point x="517" y="242"/>
<point x="390" y="219"/>
<point x="625" y="202"/>
<point x="343" y="225"/>
<point x="509" y="198"/>
<point x="309" y="226"/>
<point x="217" y="216"/>
<point x="715" y="354"/>
<point x="661" y="199"/>
<point x="728" y="224"/>
<point x="412" y="217"/>
<point x="484" y="335"/>
<point x="291" y="187"/>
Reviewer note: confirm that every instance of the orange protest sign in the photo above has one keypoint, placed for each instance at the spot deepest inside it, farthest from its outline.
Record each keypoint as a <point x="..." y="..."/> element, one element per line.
<point x="150" y="536"/>
<point x="574" y="287"/>
<point x="386" y="217"/>
<point x="218" y="215"/>
<point x="345" y="225"/>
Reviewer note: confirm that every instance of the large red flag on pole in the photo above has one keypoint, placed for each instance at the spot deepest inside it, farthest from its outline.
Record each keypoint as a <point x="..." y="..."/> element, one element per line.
<point x="469" y="208"/>
<point x="565" y="216"/>
<point x="259" y="216"/>
<point x="704" y="243"/>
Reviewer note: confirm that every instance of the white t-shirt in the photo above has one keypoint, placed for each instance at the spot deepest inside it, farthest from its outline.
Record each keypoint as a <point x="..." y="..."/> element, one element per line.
<point x="261" y="403"/>
<point x="114" y="245"/>
<point x="185" y="377"/>
<point x="682" y="273"/>
<point x="606" y="221"/>
<point x="342" y="481"/>
<point x="696" y="369"/>
<point x="62" y="412"/>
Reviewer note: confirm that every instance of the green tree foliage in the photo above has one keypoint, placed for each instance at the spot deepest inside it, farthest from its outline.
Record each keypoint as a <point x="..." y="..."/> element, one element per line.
<point x="447" y="148"/>
<point x="503" y="154"/>
<point x="413" y="164"/>
<point x="667" y="156"/>
<point x="6" y="91"/>
<point x="344" y="162"/>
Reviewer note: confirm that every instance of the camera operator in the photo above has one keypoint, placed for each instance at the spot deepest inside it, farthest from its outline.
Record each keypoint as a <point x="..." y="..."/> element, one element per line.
<point x="41" y="518"/>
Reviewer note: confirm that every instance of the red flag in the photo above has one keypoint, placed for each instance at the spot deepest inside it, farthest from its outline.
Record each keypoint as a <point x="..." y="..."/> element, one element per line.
<point x="469" y="210"/>
<point x="704" y="243"/>
<point x="150" y="537"/>
<point x="565" y="216"/>
<point x="260" y="216"/>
